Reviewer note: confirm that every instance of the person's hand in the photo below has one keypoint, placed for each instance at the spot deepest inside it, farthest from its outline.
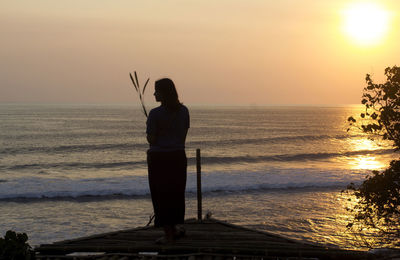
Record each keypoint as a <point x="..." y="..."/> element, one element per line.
<point x="151" y="139"/>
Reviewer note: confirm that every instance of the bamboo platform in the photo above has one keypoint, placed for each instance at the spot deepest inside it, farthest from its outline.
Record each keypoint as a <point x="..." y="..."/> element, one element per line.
<point x="207" y="239"/>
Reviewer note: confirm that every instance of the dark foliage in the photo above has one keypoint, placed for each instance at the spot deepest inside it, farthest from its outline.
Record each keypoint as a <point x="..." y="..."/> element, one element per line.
<point x="14" y="246"/>
<point x="382" y="107"/>
<point x="378" y="204"/>
<point x="378" y="197"/>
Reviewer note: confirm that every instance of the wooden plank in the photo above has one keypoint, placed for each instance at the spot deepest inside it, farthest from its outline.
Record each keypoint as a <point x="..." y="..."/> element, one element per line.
<point x="198" y="241"/>
<point x="117" y="245"/>
<point x="254" y="252"/>
<point x="104" y="234"/>
<point x="208" y="236"/>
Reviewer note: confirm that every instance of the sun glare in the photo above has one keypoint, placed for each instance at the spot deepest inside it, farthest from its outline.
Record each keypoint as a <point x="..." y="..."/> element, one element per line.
<point x="366" y="23"/>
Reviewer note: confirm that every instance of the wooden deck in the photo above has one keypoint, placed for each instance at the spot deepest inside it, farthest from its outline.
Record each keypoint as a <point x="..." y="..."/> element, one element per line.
<point x="209" y="239"/>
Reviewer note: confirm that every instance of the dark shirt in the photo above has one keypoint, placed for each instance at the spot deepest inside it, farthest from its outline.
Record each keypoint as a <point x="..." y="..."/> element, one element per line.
<point x="168" y="127"/>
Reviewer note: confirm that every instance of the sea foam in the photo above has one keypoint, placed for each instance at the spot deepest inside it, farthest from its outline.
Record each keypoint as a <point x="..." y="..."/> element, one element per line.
<point x="213" y="183"/>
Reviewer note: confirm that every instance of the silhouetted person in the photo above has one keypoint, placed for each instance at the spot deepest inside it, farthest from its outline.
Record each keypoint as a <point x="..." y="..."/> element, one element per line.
<point x="167" y="126"/>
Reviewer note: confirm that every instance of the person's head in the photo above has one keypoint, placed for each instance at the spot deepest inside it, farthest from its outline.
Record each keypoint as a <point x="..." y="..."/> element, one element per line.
<point x="165" y="92"/>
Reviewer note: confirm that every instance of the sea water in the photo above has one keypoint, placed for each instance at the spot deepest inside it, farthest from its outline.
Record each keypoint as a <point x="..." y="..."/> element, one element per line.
<point x="75" y="170"/>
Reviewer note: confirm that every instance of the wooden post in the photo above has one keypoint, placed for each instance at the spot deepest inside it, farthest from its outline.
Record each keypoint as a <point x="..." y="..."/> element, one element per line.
<point x="199" y="196"/>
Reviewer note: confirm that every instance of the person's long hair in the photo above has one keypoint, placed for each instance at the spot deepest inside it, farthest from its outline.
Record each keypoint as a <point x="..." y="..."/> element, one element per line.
<point x="167" y="89"/>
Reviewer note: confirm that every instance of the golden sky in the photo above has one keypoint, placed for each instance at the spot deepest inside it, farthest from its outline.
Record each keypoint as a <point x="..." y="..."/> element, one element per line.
<point x="244" y="52"/>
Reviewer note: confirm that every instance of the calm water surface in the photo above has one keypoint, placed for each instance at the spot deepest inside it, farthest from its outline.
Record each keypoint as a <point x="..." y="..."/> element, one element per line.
<point x="74" y="170"/>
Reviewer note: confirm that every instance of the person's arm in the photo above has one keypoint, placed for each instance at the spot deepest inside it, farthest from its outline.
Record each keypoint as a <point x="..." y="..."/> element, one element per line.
<point x="184" y="136"/>
<point x="151" y="127"/>
<point x="187" y="125"/>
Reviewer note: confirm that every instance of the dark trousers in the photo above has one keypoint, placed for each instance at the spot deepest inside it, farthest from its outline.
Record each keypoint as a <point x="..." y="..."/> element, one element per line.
<point x="167" y="180"/>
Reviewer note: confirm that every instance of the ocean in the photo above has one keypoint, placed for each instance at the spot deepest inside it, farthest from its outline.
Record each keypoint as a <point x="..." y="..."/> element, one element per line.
<point x="74" y="170"/>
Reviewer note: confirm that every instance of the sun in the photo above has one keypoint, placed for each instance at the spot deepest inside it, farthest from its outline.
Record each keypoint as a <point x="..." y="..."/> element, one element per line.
<point x="366" y="23"/>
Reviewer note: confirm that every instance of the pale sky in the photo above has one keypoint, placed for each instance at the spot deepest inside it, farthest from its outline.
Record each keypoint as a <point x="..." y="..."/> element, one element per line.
<point x="263" y="52"/>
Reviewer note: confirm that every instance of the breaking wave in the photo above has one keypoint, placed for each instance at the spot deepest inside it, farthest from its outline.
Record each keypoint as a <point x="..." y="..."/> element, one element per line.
<point x="212" y="183"/>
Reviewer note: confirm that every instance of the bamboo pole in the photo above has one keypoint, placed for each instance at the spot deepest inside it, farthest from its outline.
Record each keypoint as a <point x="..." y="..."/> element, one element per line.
<point x="199" y="195"/>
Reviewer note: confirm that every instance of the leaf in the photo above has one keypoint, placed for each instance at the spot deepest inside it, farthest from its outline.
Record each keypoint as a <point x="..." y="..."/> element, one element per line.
<point x="145" y="84"/>
<point x="137" y="81"/>
<point x="134" y="84"/>
<point x="351" y="119"/>
<point x="349" y="225"/>
<point x="10" y="235"/>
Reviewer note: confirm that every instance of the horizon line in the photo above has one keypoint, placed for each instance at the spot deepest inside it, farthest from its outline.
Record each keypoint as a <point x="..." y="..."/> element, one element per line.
<point x="188" y="104"/>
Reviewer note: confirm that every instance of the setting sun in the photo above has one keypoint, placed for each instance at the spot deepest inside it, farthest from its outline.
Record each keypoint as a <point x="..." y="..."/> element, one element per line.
<point x="366" y="23"/>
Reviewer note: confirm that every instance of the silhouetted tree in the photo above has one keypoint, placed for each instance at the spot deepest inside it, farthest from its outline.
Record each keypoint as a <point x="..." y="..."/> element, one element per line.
<point x="378" y="197"/>
<point x="14" y="246"/>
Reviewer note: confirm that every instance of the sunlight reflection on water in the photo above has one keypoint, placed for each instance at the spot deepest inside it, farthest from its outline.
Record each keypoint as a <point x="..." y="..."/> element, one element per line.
<point x="361" y="162"/>
<point x="366" y="162"/>
<point x="315" y="216"/>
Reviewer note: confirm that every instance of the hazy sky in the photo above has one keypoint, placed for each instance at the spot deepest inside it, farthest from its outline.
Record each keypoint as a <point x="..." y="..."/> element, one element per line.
<point x="217" y="52"/>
